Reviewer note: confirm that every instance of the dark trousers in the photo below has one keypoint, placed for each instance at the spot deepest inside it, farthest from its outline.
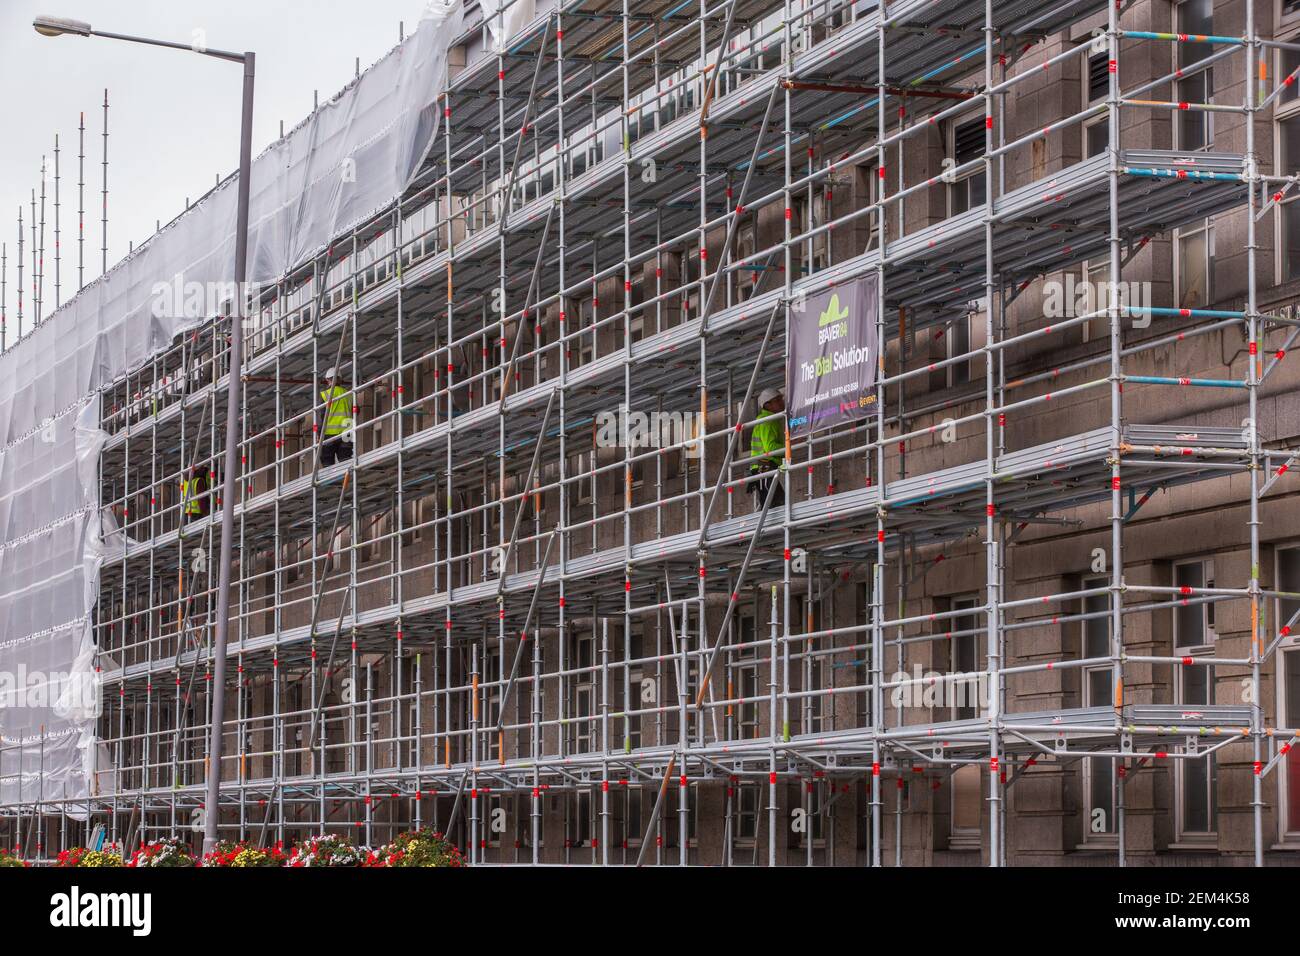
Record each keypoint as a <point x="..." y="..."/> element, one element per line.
<point x="759" y="488"/>
<point x="335" y="450"/>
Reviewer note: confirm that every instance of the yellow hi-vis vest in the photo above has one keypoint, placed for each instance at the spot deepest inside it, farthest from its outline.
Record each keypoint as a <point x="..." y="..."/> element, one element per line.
<point x="767" y="439"/>
<point x="338" y="414"/>
<point x="191" y="489"/>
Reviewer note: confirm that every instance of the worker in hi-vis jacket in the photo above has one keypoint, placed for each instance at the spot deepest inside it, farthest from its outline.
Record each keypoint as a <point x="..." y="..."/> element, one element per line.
<point x="194" y="495"/>
<point x="336" y="436"/>
<point x="767" y="446"/>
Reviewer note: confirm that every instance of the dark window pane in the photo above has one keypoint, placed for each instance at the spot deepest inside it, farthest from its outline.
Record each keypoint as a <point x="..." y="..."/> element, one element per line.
<point x="1096" y="630"/>
<point x="1287" y="63"/>
<point x="1101" y="773"/>
<point x="1291" y="667"/>
<point x="1288" y="579"/>
<point x="968" y="141"/>
<point x="1189" y="619"/>
<point x="1099" y="687"/>
<point x="1291" y="240"/>
<point x="1098" y="77"/>
<point x="1193" y="125"/>
<point x="1196" y="806"/>
<point x="1289" y="146"/>
<point x="1097" y="136"/>
<point x="1195" y="17"/>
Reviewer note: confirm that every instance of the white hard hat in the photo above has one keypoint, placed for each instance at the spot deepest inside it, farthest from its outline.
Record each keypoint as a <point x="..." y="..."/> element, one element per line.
<point x="767" y="394"/>
<point x="329" y="372"/>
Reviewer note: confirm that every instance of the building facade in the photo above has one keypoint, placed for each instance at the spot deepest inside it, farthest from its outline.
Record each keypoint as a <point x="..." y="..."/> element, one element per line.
<point x="1033" y="605"/>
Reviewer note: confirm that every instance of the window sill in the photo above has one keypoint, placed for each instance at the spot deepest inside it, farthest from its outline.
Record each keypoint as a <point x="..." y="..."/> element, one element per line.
<point x="1196" y="845"/>
<point x="1109" y="845"/>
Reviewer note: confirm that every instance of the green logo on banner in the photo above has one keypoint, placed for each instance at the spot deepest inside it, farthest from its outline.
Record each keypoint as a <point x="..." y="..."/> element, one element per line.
<point x="834" y="313"/>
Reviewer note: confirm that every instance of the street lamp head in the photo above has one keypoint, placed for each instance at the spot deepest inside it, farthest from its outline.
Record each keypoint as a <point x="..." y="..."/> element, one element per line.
<point x="58" y="26"/>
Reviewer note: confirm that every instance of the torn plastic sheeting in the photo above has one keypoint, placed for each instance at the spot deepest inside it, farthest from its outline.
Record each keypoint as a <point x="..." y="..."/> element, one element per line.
<point x="506" y="18"/>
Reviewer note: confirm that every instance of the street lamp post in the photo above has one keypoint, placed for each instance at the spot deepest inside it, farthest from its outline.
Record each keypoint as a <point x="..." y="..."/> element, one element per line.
<point x="59" y="26"/>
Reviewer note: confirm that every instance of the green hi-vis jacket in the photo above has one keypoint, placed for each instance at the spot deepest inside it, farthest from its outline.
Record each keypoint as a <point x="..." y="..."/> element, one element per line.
<point x="191" y="490"/>
<point x="338" y="416"/>
<point x="767" y="439"/>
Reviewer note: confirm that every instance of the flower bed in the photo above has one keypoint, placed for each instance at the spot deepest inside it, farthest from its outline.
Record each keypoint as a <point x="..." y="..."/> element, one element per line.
<point x="329" y="850"/>
<point x="242" y="854"/>
<point x="166" y="852"/>
<point x="82" y="857"/>
<point x="423" y="847"/>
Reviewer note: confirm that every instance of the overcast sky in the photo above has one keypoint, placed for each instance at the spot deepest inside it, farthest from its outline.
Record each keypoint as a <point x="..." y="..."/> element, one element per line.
<point x="173" y="118"/>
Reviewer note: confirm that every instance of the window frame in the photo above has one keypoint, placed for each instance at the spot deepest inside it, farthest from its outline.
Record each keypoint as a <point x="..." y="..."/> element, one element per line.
<point x="1290" y="646"/>
<point x="963" y="181"/>
<point x="1109" y="836"/>
<point x="1204" y="649"/>
<point x="1089" y="100"/>
<point x="1205" y="226"/>
<point x="965" y="837"/>
<point x="1284" y="111"/>
<point x="1208" y="76"/>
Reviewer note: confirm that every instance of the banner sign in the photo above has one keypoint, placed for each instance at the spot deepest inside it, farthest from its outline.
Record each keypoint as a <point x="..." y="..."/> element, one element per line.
<point x="831" y="358"/>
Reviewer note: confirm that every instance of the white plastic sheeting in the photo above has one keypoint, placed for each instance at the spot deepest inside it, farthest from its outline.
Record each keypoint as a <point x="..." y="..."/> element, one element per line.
<point x="505" y="18"/>
<point x="349" y="160"/>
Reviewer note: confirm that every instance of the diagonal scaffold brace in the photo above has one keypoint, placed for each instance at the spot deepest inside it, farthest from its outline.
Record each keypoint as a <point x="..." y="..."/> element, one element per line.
<point x="524" y="494"/>
<point x="707" y="674"/>
<point x="528" y="303"/>
<point x="523" y="631"/>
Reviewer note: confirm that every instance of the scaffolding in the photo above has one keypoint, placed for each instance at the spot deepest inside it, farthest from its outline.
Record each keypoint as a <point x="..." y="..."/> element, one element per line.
<point x="492" y="621"/>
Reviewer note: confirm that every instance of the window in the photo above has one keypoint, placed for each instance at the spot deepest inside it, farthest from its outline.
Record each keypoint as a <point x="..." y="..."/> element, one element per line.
<point x="1097" y="691"/>
<point x="967" y="144"/>
<point x="1195" y="780"/>
<point x="1096" y="274"/>
<point x="964" y="699"/>
<point x="1192" y="276"/>
<point x="749" y="804"/>
<point x="815" y="823"/>
<point x="746" y="276"/>
<point x="1288" y="579"/>
<point x="410" y="712"/>
<point x="820" y="244"/>
<point x="866" y="180"/>
<point x="633" y="825"/>
<point x="492" y="687"/>
<point x="580" y="823"/>
<point x="862" y="667"/>
<point x="631" y="725"/>
<point x="957" y="336"/>
<point x="494" y="820"/>
<point x="746" y="686"/>
<point x="816" y="712"/>
<point x="965" y="659"/>
<point x="583" y="728"/>
<point x="1287" y="112"/>
<point x="1096" y="132"/>
<point x="583" y="484"/>
<point x="1194" y="129"/>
